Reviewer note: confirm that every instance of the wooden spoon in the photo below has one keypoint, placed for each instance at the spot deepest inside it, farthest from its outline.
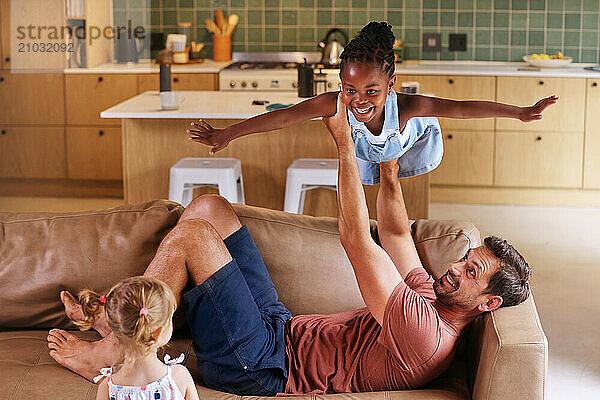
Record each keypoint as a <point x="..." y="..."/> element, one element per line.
<point x="221" y="21"/>
<point x="212" y="27"/>
<point x="232" y="23"/>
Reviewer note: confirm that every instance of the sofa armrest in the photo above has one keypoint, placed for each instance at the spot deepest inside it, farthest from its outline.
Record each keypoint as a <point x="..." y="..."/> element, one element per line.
<point x="509" y="354"/>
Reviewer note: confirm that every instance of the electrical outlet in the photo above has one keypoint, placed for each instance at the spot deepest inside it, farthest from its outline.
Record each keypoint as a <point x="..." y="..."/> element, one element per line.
<point x="457" y="42"/>
<point x="432" y="42"/>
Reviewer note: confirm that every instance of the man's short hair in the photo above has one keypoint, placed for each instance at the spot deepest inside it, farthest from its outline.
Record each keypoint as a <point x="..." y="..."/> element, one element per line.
<point x="511" y="281"/>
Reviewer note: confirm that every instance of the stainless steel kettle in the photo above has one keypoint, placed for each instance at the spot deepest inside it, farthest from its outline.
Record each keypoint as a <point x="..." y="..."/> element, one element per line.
<point x="332" y="50"/>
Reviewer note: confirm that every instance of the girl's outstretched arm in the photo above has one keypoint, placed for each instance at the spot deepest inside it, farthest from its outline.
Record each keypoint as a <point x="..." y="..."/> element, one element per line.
<point x="424" y="106"/>
<point x="320" y="106"/>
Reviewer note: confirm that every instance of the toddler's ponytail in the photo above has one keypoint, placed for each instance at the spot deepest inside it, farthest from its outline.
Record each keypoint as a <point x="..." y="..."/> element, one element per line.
<point x="91" y="306"/>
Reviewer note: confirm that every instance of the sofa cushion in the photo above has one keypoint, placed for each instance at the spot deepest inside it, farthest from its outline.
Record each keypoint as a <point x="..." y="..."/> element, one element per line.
<point x="309" y="266"/>
<point x="42" y="254"/>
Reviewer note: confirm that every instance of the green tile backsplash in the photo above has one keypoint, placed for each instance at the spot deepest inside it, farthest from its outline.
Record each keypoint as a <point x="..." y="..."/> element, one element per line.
<point x="497" y="30"/>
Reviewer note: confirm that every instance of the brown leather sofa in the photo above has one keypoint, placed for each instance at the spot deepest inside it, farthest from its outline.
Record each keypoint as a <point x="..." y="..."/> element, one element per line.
<point x="502" y="356"/>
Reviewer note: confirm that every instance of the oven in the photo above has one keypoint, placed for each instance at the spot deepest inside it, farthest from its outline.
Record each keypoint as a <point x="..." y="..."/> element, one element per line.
<point x="251" y="72"/>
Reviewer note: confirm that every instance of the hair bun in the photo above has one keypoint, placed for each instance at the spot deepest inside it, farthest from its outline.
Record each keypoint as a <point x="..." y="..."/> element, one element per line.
<point x="380" y="31"/>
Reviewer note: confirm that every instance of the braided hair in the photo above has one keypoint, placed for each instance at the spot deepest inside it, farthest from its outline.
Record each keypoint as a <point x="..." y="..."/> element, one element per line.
<point x="373" y="44"/>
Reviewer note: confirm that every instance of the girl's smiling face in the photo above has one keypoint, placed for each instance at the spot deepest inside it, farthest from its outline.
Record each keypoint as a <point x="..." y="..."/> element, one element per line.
<point x="364" y="90"/>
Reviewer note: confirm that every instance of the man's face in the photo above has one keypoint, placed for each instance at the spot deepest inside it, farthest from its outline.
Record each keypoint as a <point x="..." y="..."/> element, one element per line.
<point x="364" y="90"/>
<point x="465" y="281"/>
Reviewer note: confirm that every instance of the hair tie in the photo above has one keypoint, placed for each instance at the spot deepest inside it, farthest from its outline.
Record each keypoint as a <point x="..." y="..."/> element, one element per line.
<point x="102" y="299"/>
<point x="143" y="311"/>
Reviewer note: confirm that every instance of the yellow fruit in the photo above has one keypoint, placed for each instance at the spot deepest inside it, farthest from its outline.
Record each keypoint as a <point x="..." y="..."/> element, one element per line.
<point x="558" y="55"/>
<point x="534" y="56"/>
<point x="545" y="57"/>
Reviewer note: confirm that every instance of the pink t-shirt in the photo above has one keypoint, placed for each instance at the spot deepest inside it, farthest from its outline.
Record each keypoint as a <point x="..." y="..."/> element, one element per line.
<point x="351" y="352"/>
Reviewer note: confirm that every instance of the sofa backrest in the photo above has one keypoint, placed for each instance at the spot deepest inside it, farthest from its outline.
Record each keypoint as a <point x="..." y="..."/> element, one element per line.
<point x="309" y="266"/>
<point x="42" y="254"/>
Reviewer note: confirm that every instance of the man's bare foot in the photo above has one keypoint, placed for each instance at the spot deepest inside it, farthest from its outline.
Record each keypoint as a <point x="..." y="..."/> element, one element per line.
<point x="74" y="313"/>
<point x="82" y="357"/>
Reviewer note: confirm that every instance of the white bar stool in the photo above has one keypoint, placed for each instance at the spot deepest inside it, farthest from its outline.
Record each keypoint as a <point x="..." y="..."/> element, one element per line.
<point x="194" y="172"/>
<point x="306" y="174"/>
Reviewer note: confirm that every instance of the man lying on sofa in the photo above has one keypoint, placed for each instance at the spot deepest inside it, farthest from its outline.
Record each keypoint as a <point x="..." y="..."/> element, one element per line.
<point x="248" y="344"/>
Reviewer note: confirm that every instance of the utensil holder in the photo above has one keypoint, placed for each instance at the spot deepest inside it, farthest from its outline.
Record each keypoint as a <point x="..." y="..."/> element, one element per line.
<point x="221" y="47"/>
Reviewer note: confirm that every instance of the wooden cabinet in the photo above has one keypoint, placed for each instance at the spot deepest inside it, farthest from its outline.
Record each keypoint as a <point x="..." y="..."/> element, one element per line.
<point x="527" y="159"/>
<point x="5" y="34"/>
<point x="591" y="167"/>
<point x="90" y="94"/>
<point x="32" y="98"/>
<point x="565" y="116"/>
<point x="179" y="82"/>
<point x="32" y="152"/>
<point x="468" y="159"/>
<point x="457" y="88"/>
<point x="94" y="153"/>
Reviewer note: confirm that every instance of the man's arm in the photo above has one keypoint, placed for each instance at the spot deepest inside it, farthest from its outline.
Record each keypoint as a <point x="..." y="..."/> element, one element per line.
<point x="393" y="225"/>
<point x="375" y="272"/>
<point x="425" y="106"/>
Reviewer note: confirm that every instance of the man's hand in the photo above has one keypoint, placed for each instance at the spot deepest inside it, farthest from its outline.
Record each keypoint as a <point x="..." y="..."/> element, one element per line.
<point x="203" y="133"/>
<point x="338" y="124"/>
<point x="534" y="113"/>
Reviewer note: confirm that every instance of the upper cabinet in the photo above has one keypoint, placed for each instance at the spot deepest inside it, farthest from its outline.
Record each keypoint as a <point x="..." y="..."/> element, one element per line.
<point x="5" y="34"/>
<point x="90" y="94"/>
<point x="591" y="167"/>
<point x="457" y="88"/>
<point x="565" y="116"/>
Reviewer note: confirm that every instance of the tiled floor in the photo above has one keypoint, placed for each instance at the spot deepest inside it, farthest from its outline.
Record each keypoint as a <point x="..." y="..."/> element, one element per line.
<point x="562" y="244"/>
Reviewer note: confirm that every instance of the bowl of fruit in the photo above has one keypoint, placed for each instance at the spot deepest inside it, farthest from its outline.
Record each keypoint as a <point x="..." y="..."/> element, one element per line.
<point x="557" y="60"/>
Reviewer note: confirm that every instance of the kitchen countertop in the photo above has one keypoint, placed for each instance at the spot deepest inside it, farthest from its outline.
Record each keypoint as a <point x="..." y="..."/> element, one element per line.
<point x="200" y="104"/>
<point x="491" y="69"/>
<point x="146" y="67"/>
<point x="409" y="67"/>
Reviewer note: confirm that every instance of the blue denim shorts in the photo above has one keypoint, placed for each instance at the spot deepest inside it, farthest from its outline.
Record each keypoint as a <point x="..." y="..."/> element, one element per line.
<point x="238" y="323"/>
<point x="424" y="156"/>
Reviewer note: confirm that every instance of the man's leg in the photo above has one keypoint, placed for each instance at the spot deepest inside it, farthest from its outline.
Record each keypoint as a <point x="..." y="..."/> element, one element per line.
<point x="193" y="249"/>
<point x="217" y="210"/>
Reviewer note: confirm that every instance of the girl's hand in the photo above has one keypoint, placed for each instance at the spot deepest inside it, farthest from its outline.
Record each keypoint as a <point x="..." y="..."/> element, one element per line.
<point x="534" y="112"/>
<point x="206" y="134"/>
<point x="338" y="124"/>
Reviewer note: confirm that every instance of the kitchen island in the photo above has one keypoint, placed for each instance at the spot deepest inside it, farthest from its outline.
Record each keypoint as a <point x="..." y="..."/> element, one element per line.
<point x="153" y="140"/>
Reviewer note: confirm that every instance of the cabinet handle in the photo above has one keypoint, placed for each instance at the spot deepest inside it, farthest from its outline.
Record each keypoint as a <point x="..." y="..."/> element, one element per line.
<point x="4" y="131"/>
<point x="175" y="79"/>
<point x="451" y="81"/>
<point x="541" y="82"/>
<point x="100" y="79"/>
<point x="101" y="133"/>
<point x="595" y="84"/>
<point x="539" y="138"/>
<point x="7" y="59"/>
<point x="1" y="79"/>
<point x="450" y="136"/>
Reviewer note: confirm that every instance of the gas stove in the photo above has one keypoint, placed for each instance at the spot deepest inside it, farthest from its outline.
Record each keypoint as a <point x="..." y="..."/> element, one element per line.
<point x="275" y="72"/>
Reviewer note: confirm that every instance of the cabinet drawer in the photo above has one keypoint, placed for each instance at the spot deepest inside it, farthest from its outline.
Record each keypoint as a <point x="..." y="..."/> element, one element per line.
<point x="552" y="160"/>
<point x="5" y="33"/>
<point x="32" y="152"/>
<point x="89" y="95"/>
<point x="457" y="88"/>
<point x="32" y="98"/>
<point x="179" y="82"/>
<point x="94" y="153"/>
<point x="591" y="168"/>
<point x="468" y="159"/>
<point x="565" y="116"/>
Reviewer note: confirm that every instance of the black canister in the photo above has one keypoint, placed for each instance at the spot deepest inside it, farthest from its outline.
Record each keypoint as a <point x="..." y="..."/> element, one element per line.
<point x="165" y="77"/>
<point x="306" y="80"/>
